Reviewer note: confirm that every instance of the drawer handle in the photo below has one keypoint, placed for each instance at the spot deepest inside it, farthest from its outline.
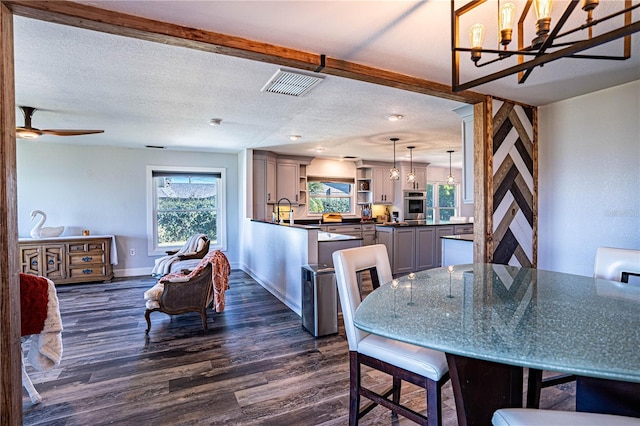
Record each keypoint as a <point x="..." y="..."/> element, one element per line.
<point x="87" y="271"/>
<point x="87" y="259"/>
<point x="34" y="263"/>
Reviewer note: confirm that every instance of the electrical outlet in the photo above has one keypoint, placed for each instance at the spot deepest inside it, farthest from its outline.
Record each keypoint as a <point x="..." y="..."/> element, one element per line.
<point x="132" y="252"/>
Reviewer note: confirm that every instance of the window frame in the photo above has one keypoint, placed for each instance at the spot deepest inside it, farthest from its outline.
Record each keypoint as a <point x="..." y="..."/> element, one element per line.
<point x="436" y="207"/>
<point x="221" y="206"/>
<point x="323" y="179"/>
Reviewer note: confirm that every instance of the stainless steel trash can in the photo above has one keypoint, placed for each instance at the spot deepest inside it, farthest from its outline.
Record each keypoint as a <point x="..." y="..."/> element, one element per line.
<point x="319" y="300"/>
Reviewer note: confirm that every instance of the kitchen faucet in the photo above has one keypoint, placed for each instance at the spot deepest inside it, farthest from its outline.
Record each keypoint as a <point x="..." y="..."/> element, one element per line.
<point x="278" y="204"/>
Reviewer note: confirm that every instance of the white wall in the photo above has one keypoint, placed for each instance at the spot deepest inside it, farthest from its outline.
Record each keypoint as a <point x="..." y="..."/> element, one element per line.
<point x="589" y="177"/>
<point x="103" y="189"/>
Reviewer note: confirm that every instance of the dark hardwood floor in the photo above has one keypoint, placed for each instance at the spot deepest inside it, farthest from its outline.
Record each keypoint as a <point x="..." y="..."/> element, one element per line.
<point x="255" y="366"/>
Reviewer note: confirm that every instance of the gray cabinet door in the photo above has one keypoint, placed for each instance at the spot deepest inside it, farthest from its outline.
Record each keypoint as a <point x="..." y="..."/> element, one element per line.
<point x="404" y="250"/>
<point x="425" y="248"/>
<point x="385" y="236"/>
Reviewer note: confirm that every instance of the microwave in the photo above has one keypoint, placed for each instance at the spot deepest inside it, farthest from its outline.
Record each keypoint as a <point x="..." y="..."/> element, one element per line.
<point x="415" y="205"/>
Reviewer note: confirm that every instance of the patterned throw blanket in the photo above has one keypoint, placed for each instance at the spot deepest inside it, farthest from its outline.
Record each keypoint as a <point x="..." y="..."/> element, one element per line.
<point x="40" y="319"/>
<point x="219" y="275"/>
<point x="162" y="265"/>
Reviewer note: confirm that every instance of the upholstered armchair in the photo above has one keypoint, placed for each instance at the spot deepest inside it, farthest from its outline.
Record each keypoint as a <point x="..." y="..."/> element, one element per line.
<point x="203" y="287"/>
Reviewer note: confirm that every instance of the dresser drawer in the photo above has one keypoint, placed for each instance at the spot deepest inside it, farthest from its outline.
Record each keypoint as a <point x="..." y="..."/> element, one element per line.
<point x="95" y="271"/>
<point x="86" y="258"/>
<point x="86" y="246"/>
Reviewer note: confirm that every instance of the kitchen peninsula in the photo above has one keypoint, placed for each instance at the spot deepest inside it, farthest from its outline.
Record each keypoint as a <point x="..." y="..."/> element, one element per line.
<point x="285" y="249"/>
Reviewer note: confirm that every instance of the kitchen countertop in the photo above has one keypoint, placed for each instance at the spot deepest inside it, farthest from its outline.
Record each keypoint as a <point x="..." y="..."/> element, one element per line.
<point x="415" y="223"/>
<point x="461" y="237"/>
<point x="324" y="237"/>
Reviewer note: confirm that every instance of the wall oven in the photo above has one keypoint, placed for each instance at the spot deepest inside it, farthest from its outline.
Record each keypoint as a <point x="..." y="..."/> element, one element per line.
<point x="415" y="205"/>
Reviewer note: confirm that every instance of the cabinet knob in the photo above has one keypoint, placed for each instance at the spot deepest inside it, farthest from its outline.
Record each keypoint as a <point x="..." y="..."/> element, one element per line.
<point x="87" y="259"/>
<point x="50" y="261"/>
<point x="87" y="271"/>
<point x="34" y="263"/>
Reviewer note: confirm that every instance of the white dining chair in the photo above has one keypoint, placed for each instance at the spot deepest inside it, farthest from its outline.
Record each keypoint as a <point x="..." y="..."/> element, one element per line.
<point x="616" y="263"/>
<point x="529" y="417"/>
<point x="610" y="263"/>
<point x="417" y="365"/>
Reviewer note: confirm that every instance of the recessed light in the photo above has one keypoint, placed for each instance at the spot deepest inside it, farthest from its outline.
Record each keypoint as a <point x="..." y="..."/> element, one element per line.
<point x="294" y="137"/>
<point x="394" y="117"/>
<point x="215" y="121"/>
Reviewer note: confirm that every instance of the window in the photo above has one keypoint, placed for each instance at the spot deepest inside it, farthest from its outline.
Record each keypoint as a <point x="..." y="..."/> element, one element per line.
<point x="182" y="202"/>
<point x="442" y="202"/>
<point x="328" y="195"/>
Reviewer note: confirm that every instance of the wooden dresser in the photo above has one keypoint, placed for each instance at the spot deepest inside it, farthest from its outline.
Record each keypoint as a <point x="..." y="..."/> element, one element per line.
<point x="67" y="260"/>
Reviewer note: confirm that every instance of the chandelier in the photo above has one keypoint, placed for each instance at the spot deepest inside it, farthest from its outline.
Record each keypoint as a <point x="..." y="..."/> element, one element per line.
<point x="549" y="44"/>
<point x="411" y="176"/>
<point x="394" y="173"/>
<point x="450" y="180"/>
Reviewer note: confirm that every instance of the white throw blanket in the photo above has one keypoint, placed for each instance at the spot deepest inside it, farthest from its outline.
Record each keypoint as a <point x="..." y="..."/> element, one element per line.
<point x="45" y="349"/>
<point x="163" y="265"/>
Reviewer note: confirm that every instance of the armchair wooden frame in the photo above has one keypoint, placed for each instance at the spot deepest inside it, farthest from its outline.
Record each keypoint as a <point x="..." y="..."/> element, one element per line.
<point x="194" y="295"/>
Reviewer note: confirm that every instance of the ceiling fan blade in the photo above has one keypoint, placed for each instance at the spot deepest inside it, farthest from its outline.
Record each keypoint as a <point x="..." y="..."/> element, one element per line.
<point x="69" y="132"/>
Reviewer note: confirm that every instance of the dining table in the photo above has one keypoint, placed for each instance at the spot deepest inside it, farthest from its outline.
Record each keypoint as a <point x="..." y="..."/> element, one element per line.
<point x="492" y="321"/>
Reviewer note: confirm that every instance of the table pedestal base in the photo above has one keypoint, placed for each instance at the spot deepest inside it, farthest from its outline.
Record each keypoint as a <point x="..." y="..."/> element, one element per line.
<point x="482" y="387"/>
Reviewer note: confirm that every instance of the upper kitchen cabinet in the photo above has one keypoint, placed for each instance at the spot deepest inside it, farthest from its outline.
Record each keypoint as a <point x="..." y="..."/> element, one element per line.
<point x="276" y="177"/>
<point x="264" y="184"/>
<point x="288" y="181"/>
<point x="382" y="185"/>
<point x="420" y="170"/>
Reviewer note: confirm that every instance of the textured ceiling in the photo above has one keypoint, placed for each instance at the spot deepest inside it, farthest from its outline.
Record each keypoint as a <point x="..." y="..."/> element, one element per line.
<point x="144" y="93"/>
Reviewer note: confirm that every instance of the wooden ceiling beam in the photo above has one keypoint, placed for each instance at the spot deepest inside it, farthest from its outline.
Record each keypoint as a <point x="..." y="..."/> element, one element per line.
<point x="93" y="18"/>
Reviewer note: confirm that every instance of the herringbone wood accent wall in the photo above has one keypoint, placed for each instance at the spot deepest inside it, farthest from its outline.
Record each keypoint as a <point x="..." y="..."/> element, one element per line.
<point x="514" y="184"/>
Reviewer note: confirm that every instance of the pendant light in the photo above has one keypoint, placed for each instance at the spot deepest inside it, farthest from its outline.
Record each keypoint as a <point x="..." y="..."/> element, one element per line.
<point x="450" y="180"/>
<point x="394" y="173"/>
<point x="411" y="176"/>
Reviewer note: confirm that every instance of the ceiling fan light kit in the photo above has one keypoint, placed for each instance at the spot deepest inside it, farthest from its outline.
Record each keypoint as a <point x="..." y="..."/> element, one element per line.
<point x="549" y="44"/>
<point x="29" y="132"/>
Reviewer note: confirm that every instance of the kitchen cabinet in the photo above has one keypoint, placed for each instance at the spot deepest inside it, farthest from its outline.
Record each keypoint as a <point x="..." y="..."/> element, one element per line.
<point x="264" y="185"/>
<point x="404" y="255"/>
<point x="384" y="235"/>
<point x="276" y="177"/>
<point x="413" y="248"/>
<point x="352" y="230"/>
<point x="425" y="247"/>
<point x="420" y="171"/>
<point x="287" y="181"/>
<point x="67" y="260"/>
<point x="382" y="186"/>
<point x="368" y="234"/>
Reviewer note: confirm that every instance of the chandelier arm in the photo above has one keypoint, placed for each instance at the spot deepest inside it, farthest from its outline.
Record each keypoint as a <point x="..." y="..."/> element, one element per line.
<point x="549" y="57"/>
<point x="597" y="21"/>
<point x="552" y="36"/>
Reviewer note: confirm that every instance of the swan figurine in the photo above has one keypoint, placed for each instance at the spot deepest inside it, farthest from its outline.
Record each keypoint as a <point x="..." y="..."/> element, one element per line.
<point x="39" y="232"/>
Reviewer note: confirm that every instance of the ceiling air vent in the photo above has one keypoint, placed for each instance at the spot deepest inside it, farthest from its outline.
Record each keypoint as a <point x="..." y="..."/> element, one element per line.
<point x="291" y="83"/>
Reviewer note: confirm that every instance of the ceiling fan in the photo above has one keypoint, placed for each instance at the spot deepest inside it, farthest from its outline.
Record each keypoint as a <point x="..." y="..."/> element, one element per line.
<point x="28" y="132"/>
